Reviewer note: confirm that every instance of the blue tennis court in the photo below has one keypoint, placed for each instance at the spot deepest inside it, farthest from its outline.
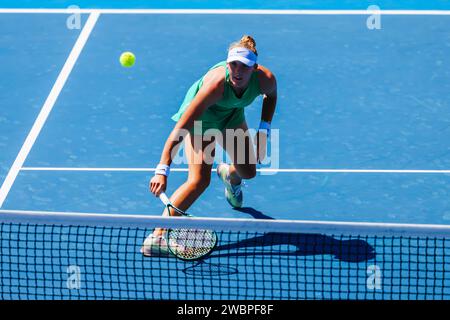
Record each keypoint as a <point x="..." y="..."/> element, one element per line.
<point x="362" y="129"/>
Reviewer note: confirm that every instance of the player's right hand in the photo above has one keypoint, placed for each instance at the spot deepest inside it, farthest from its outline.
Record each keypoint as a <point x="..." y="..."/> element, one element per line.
<point x="158" y="184"/>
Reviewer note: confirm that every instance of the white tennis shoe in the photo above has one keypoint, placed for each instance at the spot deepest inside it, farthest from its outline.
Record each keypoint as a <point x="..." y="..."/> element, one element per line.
<point x="233" y="193"/>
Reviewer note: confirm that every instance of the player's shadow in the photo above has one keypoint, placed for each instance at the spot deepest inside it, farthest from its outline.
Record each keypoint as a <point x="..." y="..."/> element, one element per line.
<point x="253" y="212"/>
<point x="348" y="250"/>
<point x="276" y="244"/>
<point x="302" y="244"/>
<point x="279" y="244"/>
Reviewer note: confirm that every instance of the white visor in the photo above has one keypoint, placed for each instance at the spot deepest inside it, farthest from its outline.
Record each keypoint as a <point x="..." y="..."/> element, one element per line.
<point x="243" y="55"/>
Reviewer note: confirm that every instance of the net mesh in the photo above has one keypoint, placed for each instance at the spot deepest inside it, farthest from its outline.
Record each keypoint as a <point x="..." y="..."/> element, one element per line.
<point x="47" y="259"/>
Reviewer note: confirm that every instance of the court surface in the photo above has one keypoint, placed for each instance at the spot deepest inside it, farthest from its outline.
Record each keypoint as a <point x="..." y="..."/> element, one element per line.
<point x="363" y="115"/>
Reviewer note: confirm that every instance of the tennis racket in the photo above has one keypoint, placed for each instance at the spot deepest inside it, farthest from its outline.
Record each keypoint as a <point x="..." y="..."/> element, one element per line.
<point x="188" y="244"/>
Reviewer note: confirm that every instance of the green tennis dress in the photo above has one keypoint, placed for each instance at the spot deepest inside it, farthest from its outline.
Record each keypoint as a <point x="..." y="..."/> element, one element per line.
<point x="228" y="112"/>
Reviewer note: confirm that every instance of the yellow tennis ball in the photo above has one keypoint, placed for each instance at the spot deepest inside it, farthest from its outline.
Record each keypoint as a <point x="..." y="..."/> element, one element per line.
<point x="127" y="59"/>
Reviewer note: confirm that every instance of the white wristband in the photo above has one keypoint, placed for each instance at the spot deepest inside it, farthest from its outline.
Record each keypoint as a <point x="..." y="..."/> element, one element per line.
<point x="265" y="126"/>
<point x="162" y="169"/>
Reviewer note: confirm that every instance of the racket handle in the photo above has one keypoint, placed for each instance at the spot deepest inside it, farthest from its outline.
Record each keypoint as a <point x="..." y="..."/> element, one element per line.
<point x="163" y="197"/>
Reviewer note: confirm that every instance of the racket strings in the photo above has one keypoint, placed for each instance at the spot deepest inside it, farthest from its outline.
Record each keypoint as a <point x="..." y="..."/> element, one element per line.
<point x="191" y="243"/>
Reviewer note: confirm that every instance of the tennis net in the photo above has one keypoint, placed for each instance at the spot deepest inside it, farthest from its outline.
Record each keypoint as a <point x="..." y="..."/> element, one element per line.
<point x="47" y="255"/>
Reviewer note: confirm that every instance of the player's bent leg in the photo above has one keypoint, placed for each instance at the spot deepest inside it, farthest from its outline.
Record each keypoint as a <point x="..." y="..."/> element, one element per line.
<point x="239" y="146"/>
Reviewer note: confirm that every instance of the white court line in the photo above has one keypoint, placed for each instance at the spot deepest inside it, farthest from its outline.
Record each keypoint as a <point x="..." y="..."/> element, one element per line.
<point x="259" y="170"/>
<point x="228" y="11"/>
<point x="47" y="107"/>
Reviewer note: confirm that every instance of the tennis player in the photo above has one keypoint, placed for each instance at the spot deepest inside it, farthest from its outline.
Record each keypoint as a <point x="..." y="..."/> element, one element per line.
<point x="217" y="101"/>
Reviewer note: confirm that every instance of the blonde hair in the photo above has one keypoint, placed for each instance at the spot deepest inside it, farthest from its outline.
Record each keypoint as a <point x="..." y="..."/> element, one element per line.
<point x="247" y="42"/>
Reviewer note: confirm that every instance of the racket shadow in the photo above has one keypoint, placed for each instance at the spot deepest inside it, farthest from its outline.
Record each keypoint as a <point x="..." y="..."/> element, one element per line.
<point x="203" y="268"/>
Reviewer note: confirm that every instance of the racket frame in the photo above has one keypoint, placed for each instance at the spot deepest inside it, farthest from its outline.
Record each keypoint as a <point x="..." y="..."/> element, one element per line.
<point x="165" y="199"/>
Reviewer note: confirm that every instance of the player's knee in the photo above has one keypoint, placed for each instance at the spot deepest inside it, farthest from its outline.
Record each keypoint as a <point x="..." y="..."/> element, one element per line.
<point x="248" y="173"/>
<point x="200" y="184"/>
